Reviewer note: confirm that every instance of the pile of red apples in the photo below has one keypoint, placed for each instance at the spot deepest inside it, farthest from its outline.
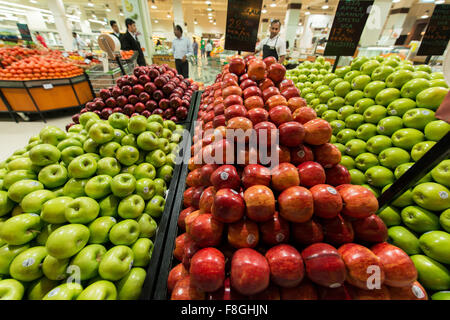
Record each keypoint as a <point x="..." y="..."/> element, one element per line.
<point x="296" y="231"/>
<point x="154" y="89"/>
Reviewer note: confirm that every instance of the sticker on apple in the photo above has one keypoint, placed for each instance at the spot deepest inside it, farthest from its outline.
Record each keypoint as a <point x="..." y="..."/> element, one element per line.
<point x="418" y="292"/>
<point x="331" y="190"/>
<point x="113" y="219"/>
<point x="145" y="190"/>
<point x="53" y="292"/>
<point x="393" y="112"/>
<point x="251" y="239"/>
<point x="443" y="194"/>
<point x="28" y="262"/>
<point x="279" y="237"/>
<point x="224" y="176"/>
<point x="301" y="153"/>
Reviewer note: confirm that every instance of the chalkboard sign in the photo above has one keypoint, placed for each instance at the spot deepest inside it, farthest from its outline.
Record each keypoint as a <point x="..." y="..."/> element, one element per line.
<point x="348" y="24"/>
<point x="437" y="35"/>
<point x="242" y="24"/>
<point x="24" y="32"/>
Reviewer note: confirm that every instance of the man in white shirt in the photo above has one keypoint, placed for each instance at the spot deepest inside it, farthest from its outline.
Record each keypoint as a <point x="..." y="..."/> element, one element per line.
<point x="182" y="48"/>
<point x="208" y="48"/>
<point x="273" y="46"/>
<point x="77" y="43"/>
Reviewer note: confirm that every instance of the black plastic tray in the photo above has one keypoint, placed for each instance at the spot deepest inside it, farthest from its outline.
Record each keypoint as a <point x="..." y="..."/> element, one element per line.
<point x="172" y="199"/>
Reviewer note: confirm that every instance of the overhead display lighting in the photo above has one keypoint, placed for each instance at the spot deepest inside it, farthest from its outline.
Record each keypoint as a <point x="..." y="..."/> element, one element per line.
<point x="168" y="15"/>
<point x="33" y="1"/>
<point x="395" y="1"/>
<point x="307" y="13"/>
<point x="90" y="4"/>
<point x="273" y="5"/>
<point x="264" y="10"/>
<point x="154" y="7"/>
<point x="325" y="7"/>
<point x="156" y="21"/>
<point x="121" y="13"/>
<point x="208" y="2"/>
<point x="440" y="1"/>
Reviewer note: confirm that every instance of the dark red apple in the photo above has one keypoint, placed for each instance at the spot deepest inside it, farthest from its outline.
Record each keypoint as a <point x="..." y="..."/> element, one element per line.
<point x="269" y="92"/>
<point x="183" y="214"/>
<point x="185" y="290"/>
<point x="327" y="201"/>
<point x="307" y="233"/>
<point x="254" y="102"/>
<point x="266" y="83"/>
<point x="286" y="265"/>
<point x="243" y="234"/>
<point x="260" y="203"/>
<point x="207" y="270"/>
<point x="370" y="229"/>
<point x="296" y="204"/>
<point x="247" y="83"/>
<point x="276" y="72"/>
<point x="257" y="115"/>
<point x="290" y="92"/>
<point x="301" y="154"/>
<point x="206" y="231"/>
<point x="228" y="206"/>
<point x="311" y="173"/>
<point x="359" y="202"/>
<point x="128" y="109"/>
<point x="339" y="293"/>
<point x="150" y="87"/>
<point x="337" y="230"/>
<point x="328" y="155"/>
<point x="151" y="105"/>
<point x="231" y="100"/>
<point x="225" y="176"/>
<point x="275" y="230"/>
<point x="177" y="273"/>
<point x="207" y="199"/>
<point x="269" y="61"/>
<point x="251" y="91"/>
<point x="236" y="110"/>
<point x="255" y="174"/>
<point x="337" y="175"/>
<point x="306" y="290"/>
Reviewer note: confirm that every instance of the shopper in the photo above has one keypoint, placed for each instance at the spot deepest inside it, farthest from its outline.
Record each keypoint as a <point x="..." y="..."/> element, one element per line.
<point x="181" y="50"/>
<point x="77" y="43"/>
<point x="202" y="48"/>
<point x="115" y="28"/>
<point x="209" y="48"/>
<point x="40" y="39"/>
<point x="195" y="50"/>
<point x="273" y="46"/>
<point x="129" y="41"/>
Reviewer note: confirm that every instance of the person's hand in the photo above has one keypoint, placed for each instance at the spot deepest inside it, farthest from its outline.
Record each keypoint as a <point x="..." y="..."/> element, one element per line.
<point x="183" y="59"/>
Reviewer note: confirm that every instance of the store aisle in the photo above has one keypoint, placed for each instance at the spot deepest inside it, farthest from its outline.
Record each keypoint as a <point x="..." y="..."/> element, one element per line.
<point x="15" y="136"/>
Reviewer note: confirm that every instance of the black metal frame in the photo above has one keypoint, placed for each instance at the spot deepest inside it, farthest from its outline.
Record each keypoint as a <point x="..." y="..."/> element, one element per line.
<point x="163" y="238"/>
<point x="27" y="85"/>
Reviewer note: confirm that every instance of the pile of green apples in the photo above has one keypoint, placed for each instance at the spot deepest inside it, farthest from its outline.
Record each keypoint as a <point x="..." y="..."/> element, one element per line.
<point x="382" y="111"/>
<point x="79" y="209"/>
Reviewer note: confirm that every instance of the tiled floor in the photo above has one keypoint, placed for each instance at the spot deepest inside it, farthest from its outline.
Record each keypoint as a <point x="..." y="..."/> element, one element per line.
<point x="14" y="136"/>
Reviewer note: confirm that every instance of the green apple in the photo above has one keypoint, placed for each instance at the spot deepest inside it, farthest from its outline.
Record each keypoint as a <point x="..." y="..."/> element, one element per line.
<point x="336" y="126"/>
<point x="347" y="162"/>
<point x="20" y="229"/>
<point x="109" y="205"/>
<point x="436" y="75"/>
<point x="109" y="149"/>
<point x="98" y="187"/>
<point x="7" y="255"/>
<point x="379" y="176"/>
<point x="145" y="170"/>
<point x="432" y="196"/>
<point x="342" y="88"/>
<point x="404" y="66"/>
<point x="65" y="291"/>
<point x="155" y="207"/>
<point x="441" y="173"/>
<point x="390" y="216"/>
<point x="147" y="226"/>
<point x="403" y="200"/>
<point x="321" y="88"/>
<point x="137" y="124"/>
<point x="70" y="153"/>
<point x="75" y="128"/>
<point x="341" y="71"/>
<point x="366" y="131"/>
<point x="55" y="269"/>
<point x="116" y="263"/>
<point x="407" y="138"/>
<point x="20" y="164"/>
<point x="386" y="96"/>
<point x="123" y="185"/>
<point x="69" y="142"/>
<point x="156" y="157"/>
<point x="353" y="121"/>
<point x="378" y="143"/>
<point x="355" y="147"/>
<point x="418" y="118"/>
<point x="436" y="245"/>
<point x="46" y="230"/>
<point x="108" y="166"/>
<point x="44" y="154"/>
<point x="127" y="155"/>
<point x="365" y="161"/>
<point x="126" y="232"/>
<point x="82" y="210"/>
<point x="169" y="124"/>
<point x="420" y="149"/>
<point x="165" y="172"/>
<point x="441" y="295"/>
<point x="99" y="290"/>
<point x="372" y="88"/>
<point x="431" y="98"/>
<point x="27" y="265"/>
<point x="308" y="97"/>
<point x="349" y="76"/>
<point x="130" y="286"/>
<point x="155" y="118"/>
<point x="306" y="91"/>
<point x="345" y="111"/>
<point x="438" y="83"/>
<point x="444" y="220"/>
<point x="145" y="188"/>
<point x="369" y="66"/>
<point x="353" y="96"/>
<point x="172" y="159"/>
<point x="90" y="123"/>
<point x="374" y="114"/>
<point x="432" y="274"/>
<point x="39" y="288"/>
<point x="160" y="187"/>
<point x="330" y="115"/>
<point x="118" y="135"/>
<point x="67" y="240"/>
<point x="421" y="74"/>
<point x="85" y="117"/>
<point x="357" y="62"/>
<point x="80" y="137"/>
<point x="320" y="109"/>
<point x="90" y="146"/>
<point x="53" y="176"/>
<point x="423" y="67"/>
<point x="52" y="135"/>
<point x="413" y="87"/>
<point x="88" y="260"/>
<point x="74" y="188"/>
<point x="118" y="120"/>
<point x="345" y="135"/>
<point x="99" y="229"/>
<point x="393" y="157"/>
<point x="398" y="78"/>
<point x="6" y="205"/>
<point x="389" y="125"/>
<point x="129" y="140"/>
<point x="326" y="95"/>
<point x="382" y="72"/>
<point x="363" y="104"/>
<point x="340" y="146"/>
<point x="435" y="130"/>
<point x="357" y="177"/>
<point x="11" y="289"/>
<point x="360" y="82"/>
<point x="148" y="141"/>
<point x="131" y="207"/>
<point x="334" y="82"/>
<point x="401" y="237"/>
<point x="419" y="219"/>
<point x="335" y="103"/>
<point x="53" y="210"/>
<point x="32" y="202"/>
<point x="17" y="175"/>
<point x="82" y="167"/>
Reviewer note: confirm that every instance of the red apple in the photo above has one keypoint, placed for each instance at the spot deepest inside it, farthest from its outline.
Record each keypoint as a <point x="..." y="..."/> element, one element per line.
<point x="276" y="72"/>
<point x="271" y="293"/>
<point x="269" y="92"/>
<point x="254" y="102"/>
<point x="231" y="100"/>
<point x="327" y="201"/>
<point x="179" y="246"/>
<point x="307" y="233"/>
<point x="301" y="154"/>
<point x="286" y="265"/>
<point x="296" y="204"/>
<point x="265" y="132"/>
<point x="337" y="175"/>
<point x="373" y="294"/>
<point x="260" y="203"/>
<point x="305" y="115"/>
<point x="276" y="100"/>
<point x="324" y="265"/>
<point x="284" y="176"/>
<point x="337" y="230"/>
<point x="318" y="131"/>
<point x="311" y="173"/>
<point x="358" y="201"/>
<point x="243" y="234"/>
<point x="225" y="176"/>
<point x="286" y="83"/>
<point x="290" y="92"/>
<point x="236" y="110"/>
<point x="237" y="66"/>
<point x="207" y="199"/>
<point x="240" y="123"/>
<point x="306" y="290"/>
<point x="190" y="217"/>
<point x="251" y="91"/>
<point x="370" y="229"/>
<point x="327" y="155"/>
<point x="256" y="70"/>
<point x="207" y="270"/>
<point x="275" y="230"/>
<point x="231" y="90"/>
<point x="257" y="115"/>
<point x="185" y="290"/>
<point x="291" y="133"/>
<point x="228" y="206"/>
<point x="177" y="273"/>
<point x="183" y="214"/>
<point x="219" y="121"/>
<point x="226" y="293"/>
<point x="247" y="83"/>
<point x="339" y="293"/>
<point x="206" y="231"/>
<point x="219" y="109"/>
<point x="250" y="272"/>
<point x="266" y="83"/>
<point x="269" y="61"/>
<point x="255" y="174"/>
<point x="413" y="292"/>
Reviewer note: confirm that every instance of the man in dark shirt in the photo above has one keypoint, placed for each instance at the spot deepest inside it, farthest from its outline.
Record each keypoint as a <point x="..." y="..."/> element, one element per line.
<point x="129" y="41"/>
<point x="115" y="28"/>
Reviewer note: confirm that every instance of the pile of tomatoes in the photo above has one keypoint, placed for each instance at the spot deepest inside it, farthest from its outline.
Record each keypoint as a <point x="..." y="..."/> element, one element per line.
<point x="10" y="55"/>
<point x="126" y="54"/>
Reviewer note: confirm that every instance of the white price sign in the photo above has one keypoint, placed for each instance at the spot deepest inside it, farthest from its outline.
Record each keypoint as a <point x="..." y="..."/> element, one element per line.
<point x="48" y="86"/>
<point x="87" y="61"/>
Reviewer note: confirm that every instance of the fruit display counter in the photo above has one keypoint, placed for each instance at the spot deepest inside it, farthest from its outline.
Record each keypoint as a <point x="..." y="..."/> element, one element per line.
<point x="293" y="228"/>
<point x="382" y="111"/>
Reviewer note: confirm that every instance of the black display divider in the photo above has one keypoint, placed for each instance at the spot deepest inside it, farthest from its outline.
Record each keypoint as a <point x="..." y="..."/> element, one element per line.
<point x="439" y="152"/>
<point x="160" y="292"/>
<point x="160" y="244"/>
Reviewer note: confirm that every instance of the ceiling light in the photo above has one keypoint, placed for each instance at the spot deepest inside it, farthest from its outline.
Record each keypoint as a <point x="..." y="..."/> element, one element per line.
<point x="153" y="6"/>
<point x="264" y="11"/>
<point x="273" y="5"/>
<point x="325" y="7"/>
<point x="209" y="13"/>
<point x="168" y="15"/>
<point x="156" y="21"/>
<point x="395" y="1"/>
<point x="208" y="2"/>
<point x="209" y="9"/>
<point x="90" y="4"/>
<point x="307" y="13"/>
<point x="440" y="1"/>
<point x="424" y="16"/>
<point x="33" y="1"/>
<point x="214" y="23"/>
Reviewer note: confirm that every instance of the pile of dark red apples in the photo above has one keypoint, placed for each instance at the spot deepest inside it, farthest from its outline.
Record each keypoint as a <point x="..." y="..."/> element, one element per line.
<point x="297" y="230"/>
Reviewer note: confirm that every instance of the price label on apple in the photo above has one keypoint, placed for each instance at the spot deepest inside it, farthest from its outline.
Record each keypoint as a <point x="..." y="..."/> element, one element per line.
<point x="251" y="239"/>
<point x="53" y="292"/>
<point x="113" y="219"/>
<point x="28" y="262"/>
<point x="331" y="190"/>
<point x="418" y="292"/>
<point x="279" y="237"/>
<point x="393" y="112"/>
<point x="425" y="112"/>
<point x="145" y="189"/>
<point x="117" y="134"/>
<point x="443" y="194"/>
<point x="301" y="153"/>
<point x="224" y="176"/>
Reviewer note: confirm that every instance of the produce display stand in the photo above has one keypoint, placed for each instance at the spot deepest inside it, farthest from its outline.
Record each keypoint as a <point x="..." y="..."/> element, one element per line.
<point x="172" y="203"/>
<point x="164" y="59"/>
<point x="41" y="96"/>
